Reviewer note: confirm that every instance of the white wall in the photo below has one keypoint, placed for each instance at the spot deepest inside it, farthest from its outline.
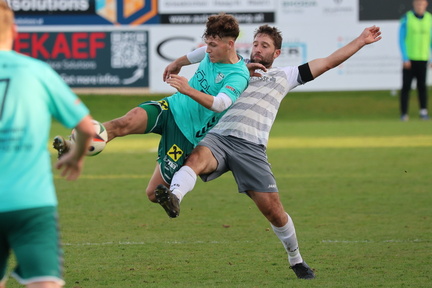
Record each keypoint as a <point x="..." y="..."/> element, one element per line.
<point x="313" y="28"/>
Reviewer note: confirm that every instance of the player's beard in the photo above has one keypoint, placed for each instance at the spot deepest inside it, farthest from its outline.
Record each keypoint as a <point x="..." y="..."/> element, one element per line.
<point x="267" y="62"/>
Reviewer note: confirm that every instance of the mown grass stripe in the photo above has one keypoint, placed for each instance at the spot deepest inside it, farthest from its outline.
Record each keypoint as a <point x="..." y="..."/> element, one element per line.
<point x="351" y="142"/>
<point x="142" y="145"/>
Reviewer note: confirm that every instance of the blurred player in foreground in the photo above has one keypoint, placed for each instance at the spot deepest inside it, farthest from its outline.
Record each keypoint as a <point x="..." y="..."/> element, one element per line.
<point x="30" y="94"/>
<point x="238" y="142"/>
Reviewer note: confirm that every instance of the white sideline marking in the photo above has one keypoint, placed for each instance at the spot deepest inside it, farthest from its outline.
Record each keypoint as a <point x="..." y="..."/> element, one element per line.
<point x="226" y="242"/>
<point x="371" y="241"/>
<point x="147" y="243"/>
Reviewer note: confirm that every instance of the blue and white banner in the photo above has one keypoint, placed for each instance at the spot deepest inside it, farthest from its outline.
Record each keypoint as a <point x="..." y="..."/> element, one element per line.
<point x="84" y="12"/>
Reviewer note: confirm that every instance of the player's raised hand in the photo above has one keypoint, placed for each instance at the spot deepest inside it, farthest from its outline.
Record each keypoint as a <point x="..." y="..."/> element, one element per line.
<point x="371" y="34"/>
<point x="172" y="68"/>
<point x="254" y="69"/>
<point x="70" y="165"/>
<point x="179" y="82"/>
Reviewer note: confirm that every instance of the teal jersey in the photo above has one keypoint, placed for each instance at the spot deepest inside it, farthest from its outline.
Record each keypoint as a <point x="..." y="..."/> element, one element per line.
<point x="193" y="119"/>
<point x="31" y="93"/>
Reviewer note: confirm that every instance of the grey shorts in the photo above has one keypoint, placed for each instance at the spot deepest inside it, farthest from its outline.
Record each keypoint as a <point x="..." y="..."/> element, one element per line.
<point x="247" y="161"/>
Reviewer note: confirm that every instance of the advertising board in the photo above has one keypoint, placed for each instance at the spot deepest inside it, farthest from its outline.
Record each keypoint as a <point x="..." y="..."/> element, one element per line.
<point x="128" y="43"/>
<point x="84" y="12"/>
<point x="91" y="58"/>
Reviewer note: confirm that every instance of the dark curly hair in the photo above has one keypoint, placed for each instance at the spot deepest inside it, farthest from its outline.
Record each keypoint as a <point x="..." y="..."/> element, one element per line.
<point x="272" y="32"/>
<point x="222" y="25"/>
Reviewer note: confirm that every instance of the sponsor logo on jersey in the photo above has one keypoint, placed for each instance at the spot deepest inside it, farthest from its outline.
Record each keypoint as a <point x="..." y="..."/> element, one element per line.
<point x="175" y="153"/>
<point x="230" y="88"/>
<point x="163" y="104"/>
<point x="203" y="131"/>
<point x="219" y="77"/>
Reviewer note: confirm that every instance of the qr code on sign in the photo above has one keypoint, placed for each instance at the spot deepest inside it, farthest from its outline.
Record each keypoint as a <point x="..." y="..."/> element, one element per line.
<point x="128" y="49"/>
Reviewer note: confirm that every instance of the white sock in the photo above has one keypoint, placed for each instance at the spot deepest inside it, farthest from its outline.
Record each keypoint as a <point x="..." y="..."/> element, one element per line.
<point x="423" y="112"/>
<point x="287" y="235"/>
<point x="183" y="181"/>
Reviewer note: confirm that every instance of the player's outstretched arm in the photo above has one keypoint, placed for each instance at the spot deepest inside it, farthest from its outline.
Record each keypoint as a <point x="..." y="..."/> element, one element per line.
<point x="368" y="36"/>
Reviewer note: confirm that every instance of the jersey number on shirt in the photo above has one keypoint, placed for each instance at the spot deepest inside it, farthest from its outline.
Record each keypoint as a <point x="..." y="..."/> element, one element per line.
<point x="4" y="85"/>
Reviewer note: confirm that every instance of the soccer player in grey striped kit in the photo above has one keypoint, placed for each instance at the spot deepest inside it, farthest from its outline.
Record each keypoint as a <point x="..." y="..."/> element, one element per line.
<point x="238" y="142"/>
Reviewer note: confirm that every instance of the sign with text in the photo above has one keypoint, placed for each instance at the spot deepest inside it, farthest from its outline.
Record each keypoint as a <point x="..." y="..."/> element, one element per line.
<point x="91" y="59"/>
<point x="300" y="12"/>
<point x="117" y="52"/>
<point x="84" y="12"/>
<point x="183" y="12"/>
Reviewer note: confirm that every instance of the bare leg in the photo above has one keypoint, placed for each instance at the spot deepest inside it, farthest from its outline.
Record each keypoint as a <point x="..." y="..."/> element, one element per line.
<point x="201" y="161"/>
<point x="134" y="122"/>
<point x="47" y="284"/>
<point x="155" y="180"/>
<point x="270" y="206"/>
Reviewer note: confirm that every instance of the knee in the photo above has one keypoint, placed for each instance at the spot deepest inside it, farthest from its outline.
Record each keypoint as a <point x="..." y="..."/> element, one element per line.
<point x="270" y="206"/>
<point x="193" y="159"/>
<point x="275" y="215"/>
<point x="277" y="219"/>
<point x="201" y="160"/>
<point x="134" y="122"/>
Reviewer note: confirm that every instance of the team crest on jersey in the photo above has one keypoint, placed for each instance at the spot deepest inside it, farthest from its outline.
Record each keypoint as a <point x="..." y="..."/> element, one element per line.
<point x="163" y="104"/>
<point x="219" y="77"/>
<point x="175" y="152"/>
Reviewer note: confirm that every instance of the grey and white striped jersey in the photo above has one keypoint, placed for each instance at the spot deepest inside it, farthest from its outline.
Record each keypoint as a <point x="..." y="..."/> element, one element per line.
<point x="253" y="114"/>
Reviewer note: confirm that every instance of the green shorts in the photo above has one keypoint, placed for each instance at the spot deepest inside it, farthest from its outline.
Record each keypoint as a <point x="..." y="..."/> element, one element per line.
<point x="33" y="236"/>
<point x="174" y="147"/>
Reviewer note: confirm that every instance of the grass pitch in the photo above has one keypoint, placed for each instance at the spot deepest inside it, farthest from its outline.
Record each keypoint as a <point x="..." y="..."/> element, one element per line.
<point x="356" y="181"/>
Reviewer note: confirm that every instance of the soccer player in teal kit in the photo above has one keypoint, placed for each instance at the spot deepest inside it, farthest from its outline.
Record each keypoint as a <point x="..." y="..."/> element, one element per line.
<point x="184" y="118"/>
<point x="31" y="93"/>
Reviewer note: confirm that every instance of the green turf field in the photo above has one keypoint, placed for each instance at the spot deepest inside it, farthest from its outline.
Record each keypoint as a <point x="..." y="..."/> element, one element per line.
<point x="356" y="181"/>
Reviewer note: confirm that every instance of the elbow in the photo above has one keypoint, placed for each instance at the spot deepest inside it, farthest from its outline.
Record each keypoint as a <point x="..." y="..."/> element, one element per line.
<point x="220" y="103"/>
<point x="217" y="109"/>
<point x="330" y="66"/>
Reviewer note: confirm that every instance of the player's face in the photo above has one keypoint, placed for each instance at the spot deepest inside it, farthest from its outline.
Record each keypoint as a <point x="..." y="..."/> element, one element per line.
<point x="264" y="51"/>
<point x="218" y="49"/>
<point x="420" y="6"/>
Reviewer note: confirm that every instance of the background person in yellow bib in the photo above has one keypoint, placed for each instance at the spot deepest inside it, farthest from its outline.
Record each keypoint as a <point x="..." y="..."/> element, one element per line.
<point x="415" y="44"/>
